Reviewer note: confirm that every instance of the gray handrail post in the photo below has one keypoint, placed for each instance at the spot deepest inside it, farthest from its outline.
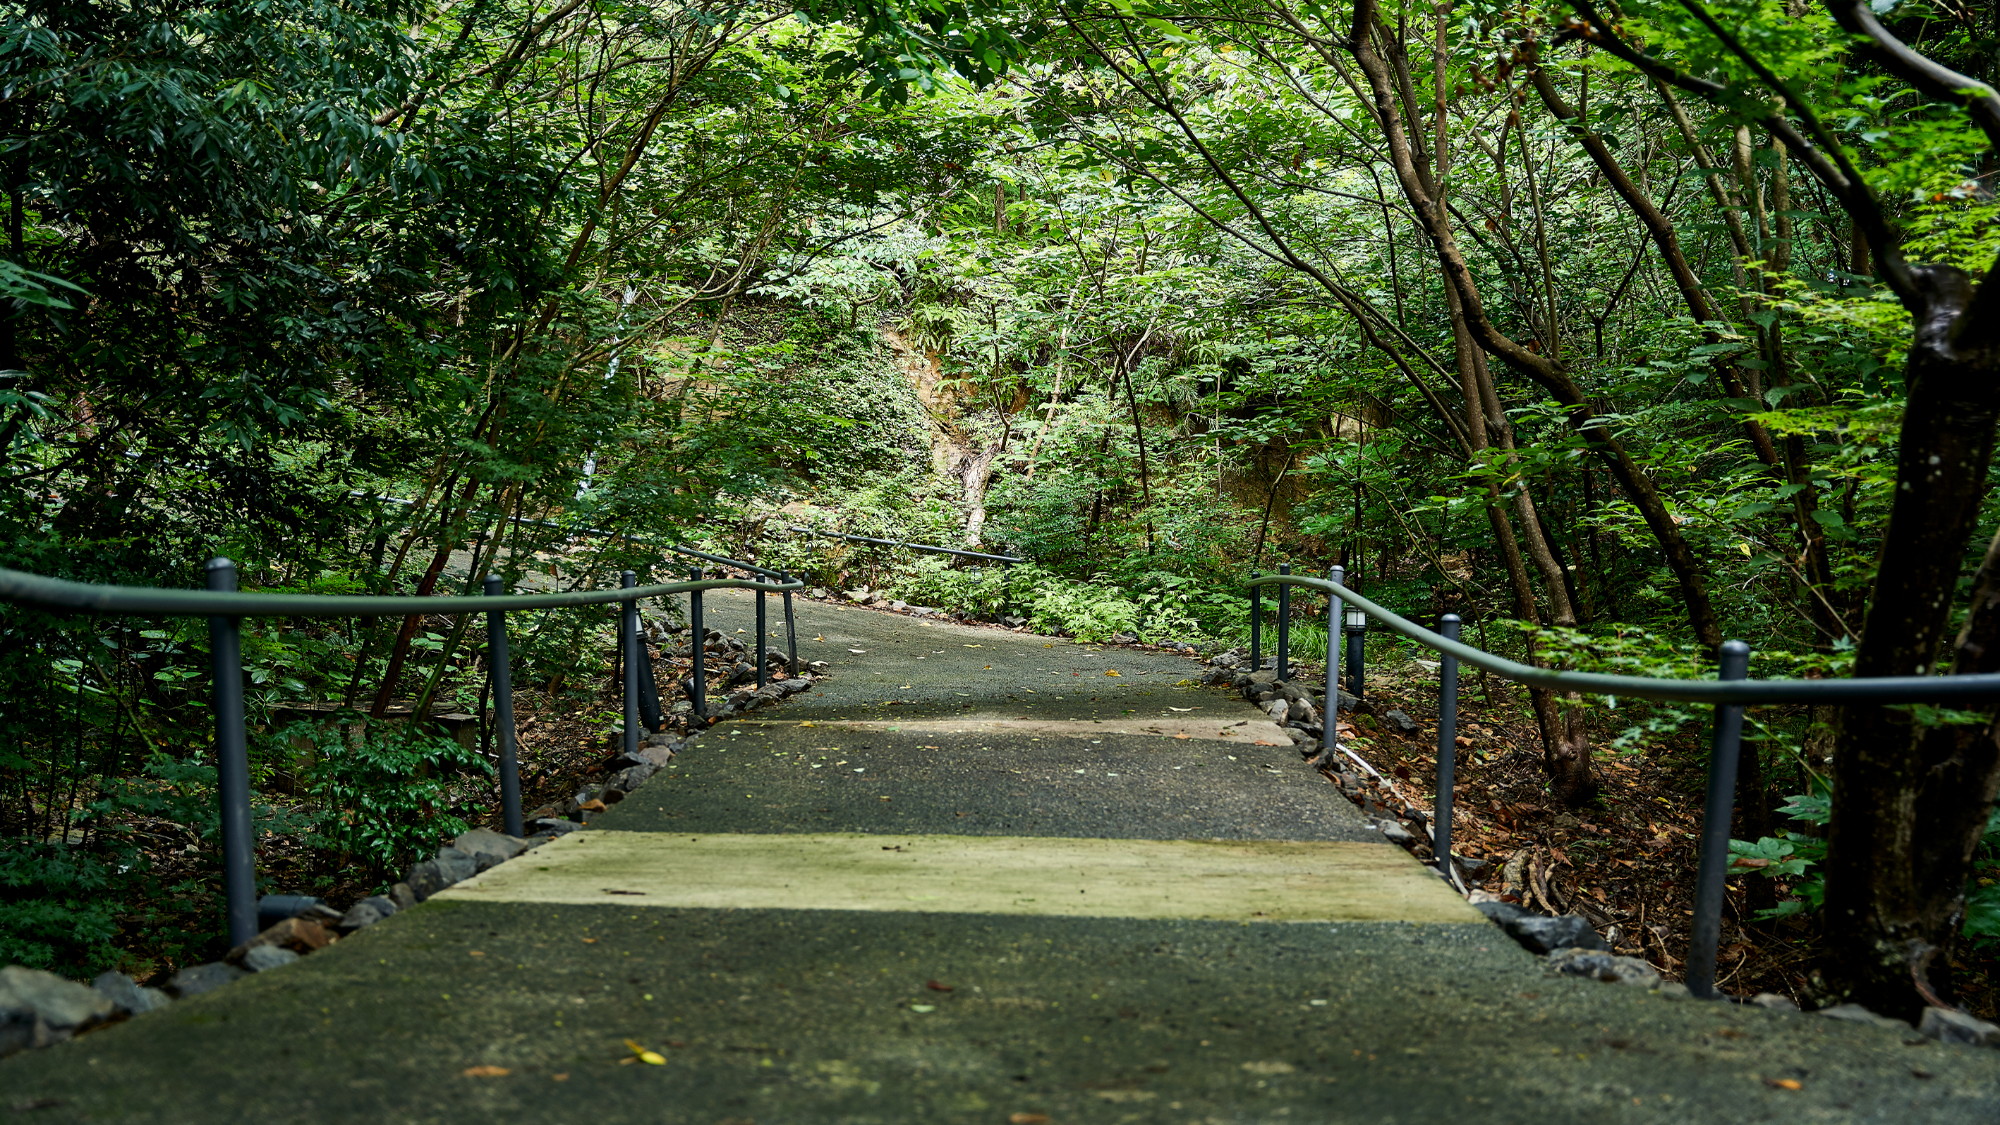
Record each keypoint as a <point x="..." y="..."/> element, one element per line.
<point x="232" y="762"/>
<point x="1256" y="624"/>
<point x="1712" y="873"/>
<point x="498" y="666"/>
<point x="791" y="632"/>
<point x="698" y="645"/>
<point x="763" y="642"/>
<point x="628" y="637"/>
<point x="1284" y="626"/>
<point x="1329" y="738"/>
<point x="1447" y="758"/>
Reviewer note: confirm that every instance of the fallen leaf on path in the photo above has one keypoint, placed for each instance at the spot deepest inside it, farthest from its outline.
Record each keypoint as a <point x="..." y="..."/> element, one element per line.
<point x="937" y="986"/>
<point x="1183" y="710"/>
<point x="1784" y="1083"/>
<point x="1027" y="1119"/>
<point x="922" y="1008"/>
<point x="642" y="1054"/>
<point x="858" y="651"/>
<point x="1114" y="672"/>
<point x="486" y="1072"/>
<point x="1264" y="744"/>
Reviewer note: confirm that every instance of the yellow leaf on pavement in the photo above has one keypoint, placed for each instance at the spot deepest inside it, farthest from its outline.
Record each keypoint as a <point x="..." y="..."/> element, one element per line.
<point x="652" y="1058"/>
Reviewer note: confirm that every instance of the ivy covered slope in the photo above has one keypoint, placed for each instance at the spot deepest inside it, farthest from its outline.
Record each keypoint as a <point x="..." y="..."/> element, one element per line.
<point x="1618" y="332"/>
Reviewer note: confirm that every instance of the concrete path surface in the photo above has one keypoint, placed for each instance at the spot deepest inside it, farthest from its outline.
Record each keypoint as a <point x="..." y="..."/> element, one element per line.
<point x="973" y="878"/>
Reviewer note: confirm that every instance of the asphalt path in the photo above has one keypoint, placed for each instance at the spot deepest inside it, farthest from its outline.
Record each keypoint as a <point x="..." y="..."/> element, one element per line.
<point x="874" y="904"/>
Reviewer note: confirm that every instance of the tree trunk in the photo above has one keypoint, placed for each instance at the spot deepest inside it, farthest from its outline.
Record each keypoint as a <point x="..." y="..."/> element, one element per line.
<point x="1911" y="800"/>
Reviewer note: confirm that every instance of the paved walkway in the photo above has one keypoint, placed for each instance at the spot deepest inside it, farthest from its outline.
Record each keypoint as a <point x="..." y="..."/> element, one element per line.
<point x="974" y="878"/>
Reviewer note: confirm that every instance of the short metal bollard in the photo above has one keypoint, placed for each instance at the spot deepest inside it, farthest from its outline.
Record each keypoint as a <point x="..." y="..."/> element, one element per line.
<point x="498" y="666"/>
<point x="1717" y="811"/>
<point x="763" y="642"/>
<point x="698" y="645"/>
<point x="1447" y="754"/>
<point x="1357" y="634"/>
<point x="1284" y="626"/>
<point x="232" y="762"/>
<point x="628" y="637"/>
<point x="1256" y="624"/>
<point x="791" y="631"/>
<point x="1329" y="738"/>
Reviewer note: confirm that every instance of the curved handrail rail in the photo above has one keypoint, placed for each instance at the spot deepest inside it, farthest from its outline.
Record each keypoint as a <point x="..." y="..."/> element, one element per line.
<point x="1730" y="693"/>
<point x="1736" y="693"/>
<point x="62" y="594"/>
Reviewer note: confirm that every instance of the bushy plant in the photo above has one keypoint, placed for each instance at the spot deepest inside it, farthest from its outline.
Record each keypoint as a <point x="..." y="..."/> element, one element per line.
<point x="386" y="795"/>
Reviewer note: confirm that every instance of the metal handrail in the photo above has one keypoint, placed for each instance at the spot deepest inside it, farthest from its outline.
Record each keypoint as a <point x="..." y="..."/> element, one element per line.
<point x="225" y="607"/>
<point x="1730" y="693"/>
<point x="912" y="546"/>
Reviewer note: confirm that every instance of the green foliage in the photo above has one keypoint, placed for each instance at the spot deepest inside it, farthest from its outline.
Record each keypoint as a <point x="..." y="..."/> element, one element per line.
<point x="1792" y="857"/>
<point x="388" y="796"/>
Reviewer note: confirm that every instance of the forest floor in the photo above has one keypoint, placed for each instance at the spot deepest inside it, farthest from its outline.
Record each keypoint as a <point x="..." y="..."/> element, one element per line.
<point x="1626" y="861"/>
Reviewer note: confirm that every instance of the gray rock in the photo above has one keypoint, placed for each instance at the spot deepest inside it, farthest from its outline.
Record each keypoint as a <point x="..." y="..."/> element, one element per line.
<point x="1500" y="913"/>
<point x="1401" y="723"/>
<point x="1675" y="990"/>
<point x="1855" y="1013"/>
<point x="1606" y="967"/>
<point x="61" y="1005"/>
<point x="1949" y="1026"/>
<point x="1772" y="1001"/>
<point x="197" y="979"/>
<point x="1299" y="736"/>
<point x="1397" y="834"/>
<point x="128" y="995"/>
<point x="1546" y="935"/>
<point x="1264" y="679"/>
<point x="1277" y="709"/>
<point x="554" y="826"/>
<point x="1292" y="693"/>
<point x="1014" y="622"/>
<point x="20" y="1030"/>
<point x="681" y="706"/>
<point x="1124" y="639"/>
<point x="264" y="958"/>
<point x="1348" y="702"/>
<point x="401" y="896"/>
<point x="426" y="879"/>
<point x="367" y="912"/>
<point x="631" y="777"/>
<point x="1302" y="712"/>
<point x="819" y="667"/>
<point x="487" y="847"/>
<point x="794" y="686"/>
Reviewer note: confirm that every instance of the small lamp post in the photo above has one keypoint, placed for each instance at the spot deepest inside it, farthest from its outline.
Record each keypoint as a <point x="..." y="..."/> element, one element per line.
<point x="1356" y="622"/>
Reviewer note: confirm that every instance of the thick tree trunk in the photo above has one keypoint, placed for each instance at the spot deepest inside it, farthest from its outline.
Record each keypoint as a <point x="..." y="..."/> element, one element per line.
<point x="1911" y="800"/>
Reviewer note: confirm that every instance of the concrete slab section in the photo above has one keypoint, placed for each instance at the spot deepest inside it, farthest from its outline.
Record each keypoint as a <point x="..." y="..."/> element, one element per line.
<point x="471" y="1013"/>
<point x="1242" y="731"/>
<point x="792" y="778"/>
<point x="1216" y="880"/>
